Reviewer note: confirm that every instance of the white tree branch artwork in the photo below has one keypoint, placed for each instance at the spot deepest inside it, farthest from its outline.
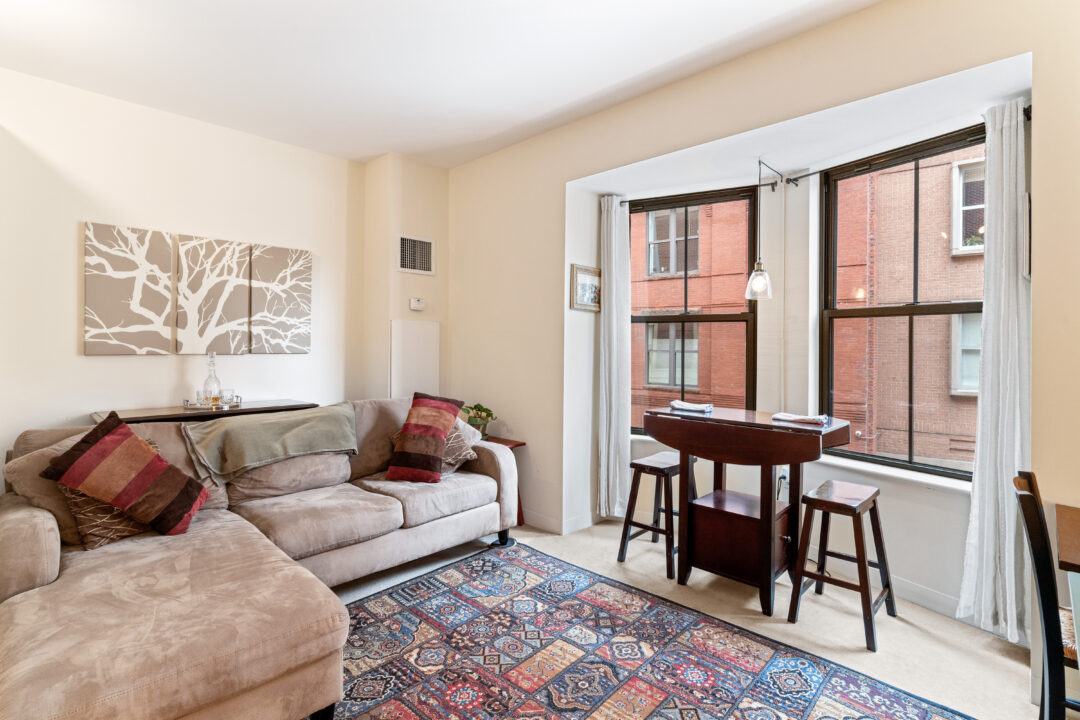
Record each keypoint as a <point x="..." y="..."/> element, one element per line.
<point x="212" y="296"/>
<point x="280" y="300"/>
<point x="127" y="291"/>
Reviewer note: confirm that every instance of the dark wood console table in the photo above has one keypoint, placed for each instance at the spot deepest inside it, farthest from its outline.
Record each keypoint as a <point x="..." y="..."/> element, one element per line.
<point x="749" y="538"/>
<point x="178" y="413"/>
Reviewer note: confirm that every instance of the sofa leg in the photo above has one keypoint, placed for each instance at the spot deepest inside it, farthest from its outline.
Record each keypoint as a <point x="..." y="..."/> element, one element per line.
<point x="327" y="713"/>
<point x="504" y="540"/>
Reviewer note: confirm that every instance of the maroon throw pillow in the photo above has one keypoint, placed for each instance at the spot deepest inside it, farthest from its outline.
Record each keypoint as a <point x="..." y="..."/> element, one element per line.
<point x="418" y="451"/>
<point x="114" y="465"/>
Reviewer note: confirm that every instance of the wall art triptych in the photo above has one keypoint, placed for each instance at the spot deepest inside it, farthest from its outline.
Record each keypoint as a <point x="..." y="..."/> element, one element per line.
<point x="148" y="292"/>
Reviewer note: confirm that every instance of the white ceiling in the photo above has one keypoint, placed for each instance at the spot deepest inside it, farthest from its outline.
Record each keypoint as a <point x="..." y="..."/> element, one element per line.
<point x="826" y="138"/>
<point x="443" y="80"/>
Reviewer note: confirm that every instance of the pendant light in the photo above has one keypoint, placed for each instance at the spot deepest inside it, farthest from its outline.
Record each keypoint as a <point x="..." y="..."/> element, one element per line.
<point x="759" y="286"/>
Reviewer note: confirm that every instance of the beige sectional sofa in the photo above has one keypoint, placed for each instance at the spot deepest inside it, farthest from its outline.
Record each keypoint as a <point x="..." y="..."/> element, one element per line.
<point x="233" y="619"/>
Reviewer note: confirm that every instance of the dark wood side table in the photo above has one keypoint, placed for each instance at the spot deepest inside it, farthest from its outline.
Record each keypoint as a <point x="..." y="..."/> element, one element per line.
<point x="513" y="445"/>
<point x="178" y="413"/>
<point x="749" y="538"/>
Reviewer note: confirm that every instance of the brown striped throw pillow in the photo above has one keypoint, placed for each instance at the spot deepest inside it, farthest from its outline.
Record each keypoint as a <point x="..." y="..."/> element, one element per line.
<point x="99" y="523"/>
<point x="457" y="452"/>
<point x="418" y="451"/>
<point x="114" y="465"/>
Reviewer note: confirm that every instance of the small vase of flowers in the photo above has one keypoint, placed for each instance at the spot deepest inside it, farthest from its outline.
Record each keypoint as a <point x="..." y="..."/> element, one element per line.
<point x="479" y="416"/>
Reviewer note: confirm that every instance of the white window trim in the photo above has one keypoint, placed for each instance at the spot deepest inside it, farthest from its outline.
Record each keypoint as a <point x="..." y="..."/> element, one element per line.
<point x="956" y="241"/>
<point x="956" y="351"/>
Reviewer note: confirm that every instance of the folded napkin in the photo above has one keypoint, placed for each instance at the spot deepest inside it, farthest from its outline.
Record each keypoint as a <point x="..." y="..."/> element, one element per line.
<point x="818" y="420"/>
<point x="226" y="447"/>
<point x="683" y="406"/>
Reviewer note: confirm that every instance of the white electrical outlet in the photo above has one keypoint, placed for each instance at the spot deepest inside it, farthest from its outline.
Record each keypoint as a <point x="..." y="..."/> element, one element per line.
<point x="416" y="303"/>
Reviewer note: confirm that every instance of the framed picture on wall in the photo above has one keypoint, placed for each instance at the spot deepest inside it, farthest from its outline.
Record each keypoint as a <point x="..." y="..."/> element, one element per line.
<point x="584" y="288"/>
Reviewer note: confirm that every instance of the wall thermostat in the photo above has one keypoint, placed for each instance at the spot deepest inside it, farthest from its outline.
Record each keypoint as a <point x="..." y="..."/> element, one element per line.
<point x="416" y="303"/>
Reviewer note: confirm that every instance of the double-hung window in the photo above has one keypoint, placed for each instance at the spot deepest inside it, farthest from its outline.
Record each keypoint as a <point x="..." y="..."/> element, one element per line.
<point x="902" y="302"/>
<point x="969" y="205"/>
<point x="692" y="331"/>
<point x="673" y="240"/>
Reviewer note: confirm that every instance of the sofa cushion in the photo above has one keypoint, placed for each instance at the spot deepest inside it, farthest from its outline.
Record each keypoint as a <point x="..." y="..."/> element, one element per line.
<point x="113" y="464"/>
<point x="292" y="475"/>
<point x="376" y="421"/>
<point x="166" y="438"/>
<point x="423" y="502"/>
<point x="158" y="627"/>
<point x="24" y="475"/>
<point x="314" y="521"/>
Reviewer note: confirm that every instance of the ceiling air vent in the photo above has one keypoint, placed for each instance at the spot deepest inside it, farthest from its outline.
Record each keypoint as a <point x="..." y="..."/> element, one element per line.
<point x="416" y="256"/>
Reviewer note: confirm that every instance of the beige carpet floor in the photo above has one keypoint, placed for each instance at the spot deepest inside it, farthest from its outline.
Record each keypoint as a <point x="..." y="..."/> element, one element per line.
<point x="921" y="651"/>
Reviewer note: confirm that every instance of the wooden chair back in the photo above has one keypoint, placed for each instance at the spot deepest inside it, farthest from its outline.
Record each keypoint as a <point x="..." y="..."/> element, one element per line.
<point x="1042" y="561"/>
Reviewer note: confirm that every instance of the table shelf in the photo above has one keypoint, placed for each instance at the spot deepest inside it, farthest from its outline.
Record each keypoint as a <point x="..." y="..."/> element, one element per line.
<point x="729" y="502"/>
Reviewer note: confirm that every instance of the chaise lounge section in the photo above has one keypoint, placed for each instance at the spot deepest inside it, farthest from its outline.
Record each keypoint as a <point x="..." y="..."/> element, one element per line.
<point x="235" y="618"/>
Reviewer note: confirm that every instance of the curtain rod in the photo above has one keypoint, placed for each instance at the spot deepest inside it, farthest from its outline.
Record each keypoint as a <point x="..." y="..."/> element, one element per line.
<point x="795" y="180"/>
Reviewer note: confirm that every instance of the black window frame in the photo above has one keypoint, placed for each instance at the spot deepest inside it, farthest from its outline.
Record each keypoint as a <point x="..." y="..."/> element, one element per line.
<point x="748" y="317"/>
<point x="974" y="135"/>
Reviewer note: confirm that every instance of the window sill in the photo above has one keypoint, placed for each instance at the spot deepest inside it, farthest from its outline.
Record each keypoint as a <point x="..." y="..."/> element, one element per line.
<point x="670" y="275"/>
<point x="975" y="250"/>
<point x="898" y="474"/>
<point x="956" y="392"/>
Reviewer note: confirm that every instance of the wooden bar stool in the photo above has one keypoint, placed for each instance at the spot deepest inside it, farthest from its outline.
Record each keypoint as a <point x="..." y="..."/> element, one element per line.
<point x="851" y="500"/>
<point x="663" y="466"/>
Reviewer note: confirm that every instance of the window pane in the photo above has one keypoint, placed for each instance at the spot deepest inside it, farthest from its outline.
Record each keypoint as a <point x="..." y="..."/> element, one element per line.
<point x="974" y="227"/>
<point x="652" y="289"/>
<point x="971" y="330"/>
<point x="715" y="365"/>
<point x="870" y="383"/>
<point x="720" y="257"/>
<point x="680" y="248"/>
<point x="719" y="363"/>
<point x="974" y="186"/>
<point x="875" y="224"/>
<point x="944" y="421"/>
<point x="680" y="222"/>
<point x="661" y="225"/>
<point x="658" y="360"/>
<point x="944" y="274"/>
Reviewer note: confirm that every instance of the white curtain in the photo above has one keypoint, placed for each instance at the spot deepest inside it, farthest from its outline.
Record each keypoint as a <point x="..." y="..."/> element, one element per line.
<point x="993" y="592"/>
<point x="614" y="487"/>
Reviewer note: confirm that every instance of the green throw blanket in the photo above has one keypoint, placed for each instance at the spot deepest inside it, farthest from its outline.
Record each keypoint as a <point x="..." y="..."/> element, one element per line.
<point x="224" y="448"/>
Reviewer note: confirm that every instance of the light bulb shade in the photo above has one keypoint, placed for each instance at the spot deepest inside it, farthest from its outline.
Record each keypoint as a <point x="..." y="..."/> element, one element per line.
<point x="759" y="286"/>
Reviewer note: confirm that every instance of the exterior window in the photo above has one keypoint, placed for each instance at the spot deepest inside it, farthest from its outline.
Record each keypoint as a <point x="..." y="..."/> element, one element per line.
<point x="900" y="323"/>
<point x="669" y="244"/>
<point x="665" y="347"/>
<point x="693" y="333"/>
<point x="969" y="206"/>
<point x="966" y="352"/>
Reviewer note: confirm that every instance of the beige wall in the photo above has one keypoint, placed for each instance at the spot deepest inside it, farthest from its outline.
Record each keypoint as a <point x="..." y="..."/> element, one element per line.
<point x="888" y="46"/>
<point x="389" y="197"/>
<point x="67" y="156"/>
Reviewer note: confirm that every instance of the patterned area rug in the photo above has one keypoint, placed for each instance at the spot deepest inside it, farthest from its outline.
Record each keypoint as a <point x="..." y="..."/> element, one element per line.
<point x="515" y="633"/>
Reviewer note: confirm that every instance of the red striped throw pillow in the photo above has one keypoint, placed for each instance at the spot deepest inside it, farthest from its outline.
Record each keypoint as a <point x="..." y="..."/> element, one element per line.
<point x="418" y="451"/>
<point x="114" y="465"/>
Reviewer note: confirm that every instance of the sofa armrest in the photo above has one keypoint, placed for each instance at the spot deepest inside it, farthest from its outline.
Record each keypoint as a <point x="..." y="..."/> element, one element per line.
<point x="497" y="461"/>
<point x="29" y="546"/>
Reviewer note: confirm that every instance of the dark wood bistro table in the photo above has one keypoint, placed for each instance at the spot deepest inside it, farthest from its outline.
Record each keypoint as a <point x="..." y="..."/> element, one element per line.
<point x="749" y="538"/>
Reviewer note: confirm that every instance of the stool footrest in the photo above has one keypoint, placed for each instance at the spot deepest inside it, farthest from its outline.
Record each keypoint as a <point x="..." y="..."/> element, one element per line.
<point x="818" y="577"/>
<point x="882" y="596"/>
<point x="645" y="528"/>
<point x="850" y="558"/>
